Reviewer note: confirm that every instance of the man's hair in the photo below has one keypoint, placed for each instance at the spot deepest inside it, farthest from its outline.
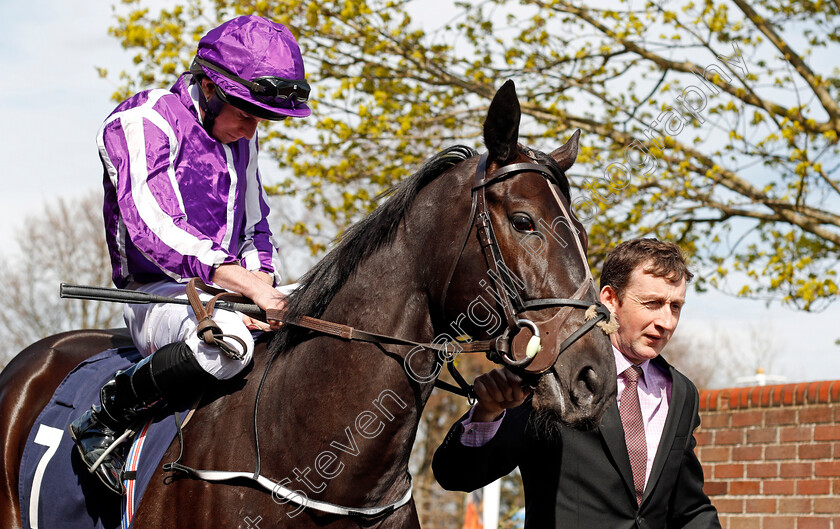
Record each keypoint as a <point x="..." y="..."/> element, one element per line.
<point x="658" y="258"/>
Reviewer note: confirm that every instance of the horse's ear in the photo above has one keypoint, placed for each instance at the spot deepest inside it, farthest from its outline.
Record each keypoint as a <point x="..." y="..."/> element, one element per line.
<point x="501" y="128"/>
<point x="565" y="156"/>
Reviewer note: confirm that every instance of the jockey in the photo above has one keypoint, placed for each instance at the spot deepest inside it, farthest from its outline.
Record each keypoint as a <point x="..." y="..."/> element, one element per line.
<point x="183" y="199"/>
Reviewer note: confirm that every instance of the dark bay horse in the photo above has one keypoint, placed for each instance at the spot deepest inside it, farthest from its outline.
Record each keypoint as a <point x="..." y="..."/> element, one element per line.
<point x="337" y="418"/>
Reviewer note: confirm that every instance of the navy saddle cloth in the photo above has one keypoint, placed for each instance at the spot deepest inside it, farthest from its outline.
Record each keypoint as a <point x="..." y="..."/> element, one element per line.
<point x="56" y="489"/>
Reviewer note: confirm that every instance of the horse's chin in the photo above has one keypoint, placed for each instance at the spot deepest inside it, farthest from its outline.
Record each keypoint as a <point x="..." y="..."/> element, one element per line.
<point x="554" y="407"/>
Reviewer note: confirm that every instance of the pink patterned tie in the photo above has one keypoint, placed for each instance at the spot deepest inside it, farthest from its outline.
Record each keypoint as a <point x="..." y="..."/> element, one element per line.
<point x="634" y="428"/>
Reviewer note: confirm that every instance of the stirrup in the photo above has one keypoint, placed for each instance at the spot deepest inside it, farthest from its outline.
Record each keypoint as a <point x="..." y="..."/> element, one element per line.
<point x="118" y="441"/>
<point x="109" y="464"/>
<point x="128" y="399"/>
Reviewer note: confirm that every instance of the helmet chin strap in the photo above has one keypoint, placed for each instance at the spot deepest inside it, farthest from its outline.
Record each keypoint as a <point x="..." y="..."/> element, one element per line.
<point x="211" y="109"/>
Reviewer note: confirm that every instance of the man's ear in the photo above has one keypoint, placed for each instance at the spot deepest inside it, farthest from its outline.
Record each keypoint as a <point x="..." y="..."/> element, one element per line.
<point x="208" y="87"/>
<point x="609" y="298"/>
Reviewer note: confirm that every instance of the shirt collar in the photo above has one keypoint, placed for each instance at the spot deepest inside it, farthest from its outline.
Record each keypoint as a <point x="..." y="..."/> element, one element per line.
<point x="622" y="363"/>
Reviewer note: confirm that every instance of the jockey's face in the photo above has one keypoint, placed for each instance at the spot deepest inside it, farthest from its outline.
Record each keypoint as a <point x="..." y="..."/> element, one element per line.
<point x="231" y="124"/>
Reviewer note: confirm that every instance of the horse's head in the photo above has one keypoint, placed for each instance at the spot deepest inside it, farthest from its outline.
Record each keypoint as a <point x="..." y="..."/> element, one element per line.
<point x="522" y="274"/>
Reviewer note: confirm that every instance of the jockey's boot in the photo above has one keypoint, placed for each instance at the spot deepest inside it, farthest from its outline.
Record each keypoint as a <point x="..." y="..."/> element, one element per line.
<point x="168" y="376"/>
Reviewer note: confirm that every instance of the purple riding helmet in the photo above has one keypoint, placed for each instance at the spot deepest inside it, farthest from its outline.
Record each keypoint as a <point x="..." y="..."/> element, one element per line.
<point x="256" y="66"/>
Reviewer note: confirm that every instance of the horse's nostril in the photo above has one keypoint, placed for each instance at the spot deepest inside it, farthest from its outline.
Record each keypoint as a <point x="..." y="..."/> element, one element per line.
<point x="585" y="386"/>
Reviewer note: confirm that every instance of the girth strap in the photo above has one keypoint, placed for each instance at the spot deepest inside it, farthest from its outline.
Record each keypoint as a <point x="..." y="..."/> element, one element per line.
<point x="279" y="491"/>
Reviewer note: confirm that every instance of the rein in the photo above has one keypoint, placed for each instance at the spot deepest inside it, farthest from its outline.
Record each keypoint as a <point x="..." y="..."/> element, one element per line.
<point x="207" y="329"/>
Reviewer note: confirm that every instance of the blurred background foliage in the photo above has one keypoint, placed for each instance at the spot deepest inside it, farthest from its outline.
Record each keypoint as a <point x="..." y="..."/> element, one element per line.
<point x="712" y="123"/>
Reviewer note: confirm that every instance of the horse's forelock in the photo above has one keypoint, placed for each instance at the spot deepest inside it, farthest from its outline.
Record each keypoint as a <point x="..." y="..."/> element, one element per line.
<point x="559" y="176"/>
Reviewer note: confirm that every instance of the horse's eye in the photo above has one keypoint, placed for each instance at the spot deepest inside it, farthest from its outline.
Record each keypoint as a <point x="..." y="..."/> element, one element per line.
<point x="522" y="222"/>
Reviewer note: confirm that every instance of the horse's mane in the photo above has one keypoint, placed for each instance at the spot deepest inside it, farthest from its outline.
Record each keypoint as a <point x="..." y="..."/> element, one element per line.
<point x="320" y="285"/>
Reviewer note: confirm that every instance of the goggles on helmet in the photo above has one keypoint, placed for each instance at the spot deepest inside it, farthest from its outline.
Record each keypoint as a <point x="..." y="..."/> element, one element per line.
<point x="274" y="91"/>
<point x="248" y="107"/>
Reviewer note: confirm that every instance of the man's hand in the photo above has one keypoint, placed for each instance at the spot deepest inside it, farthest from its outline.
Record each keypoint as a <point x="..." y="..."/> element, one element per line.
<point x="270" y="299"/>
<point x="265" y="277"/>
<point x="497" y="390"/>
<point x="255" y="286"/>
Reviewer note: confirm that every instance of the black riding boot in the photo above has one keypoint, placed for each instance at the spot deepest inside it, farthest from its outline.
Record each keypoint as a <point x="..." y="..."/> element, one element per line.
<point x="168" y="376"/>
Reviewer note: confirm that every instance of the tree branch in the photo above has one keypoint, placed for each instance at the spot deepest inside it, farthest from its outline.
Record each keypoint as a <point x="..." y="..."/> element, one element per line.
<point x="793" y="58"/>
<point x="747" y="97"/>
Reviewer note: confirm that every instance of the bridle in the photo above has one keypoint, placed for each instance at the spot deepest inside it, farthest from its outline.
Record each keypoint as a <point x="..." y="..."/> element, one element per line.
<point x="525" y="351"/>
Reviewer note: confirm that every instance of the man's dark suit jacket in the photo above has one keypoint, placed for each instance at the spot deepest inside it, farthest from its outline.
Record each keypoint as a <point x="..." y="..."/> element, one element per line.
<point x="584" y="480"/>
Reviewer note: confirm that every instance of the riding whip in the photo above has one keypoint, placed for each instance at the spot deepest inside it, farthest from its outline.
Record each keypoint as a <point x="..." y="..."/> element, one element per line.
<point x="116" y="295"/>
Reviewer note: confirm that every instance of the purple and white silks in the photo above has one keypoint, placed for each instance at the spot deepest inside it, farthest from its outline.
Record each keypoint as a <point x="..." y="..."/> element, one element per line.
<point x="178" y="203"/>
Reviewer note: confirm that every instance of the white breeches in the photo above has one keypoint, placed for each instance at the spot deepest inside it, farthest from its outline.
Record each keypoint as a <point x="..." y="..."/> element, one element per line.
<point x="154" y="325"/>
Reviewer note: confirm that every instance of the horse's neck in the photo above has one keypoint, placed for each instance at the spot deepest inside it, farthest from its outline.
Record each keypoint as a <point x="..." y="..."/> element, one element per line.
<point x="385" y="295"/>
<point x="354" y="399"/>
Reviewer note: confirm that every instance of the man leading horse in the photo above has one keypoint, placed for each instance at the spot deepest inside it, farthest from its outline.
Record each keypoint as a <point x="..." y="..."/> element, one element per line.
<point x="638" y="469"/>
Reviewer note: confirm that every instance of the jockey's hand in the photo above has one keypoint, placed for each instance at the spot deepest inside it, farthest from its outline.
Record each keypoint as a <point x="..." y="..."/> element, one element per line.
<point x="252" y="285"/>
<point x="254" y="324"/>
<point x="497" y="390"/>
<point x="269" y="299"/>
<point x="265" y="277"/>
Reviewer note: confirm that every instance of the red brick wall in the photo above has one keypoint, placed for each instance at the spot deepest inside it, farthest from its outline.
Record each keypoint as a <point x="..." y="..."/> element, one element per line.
<point x="771" y="455"/>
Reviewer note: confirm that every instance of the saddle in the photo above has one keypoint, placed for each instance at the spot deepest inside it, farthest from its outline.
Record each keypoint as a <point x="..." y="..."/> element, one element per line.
<point x="55" y="488"/>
